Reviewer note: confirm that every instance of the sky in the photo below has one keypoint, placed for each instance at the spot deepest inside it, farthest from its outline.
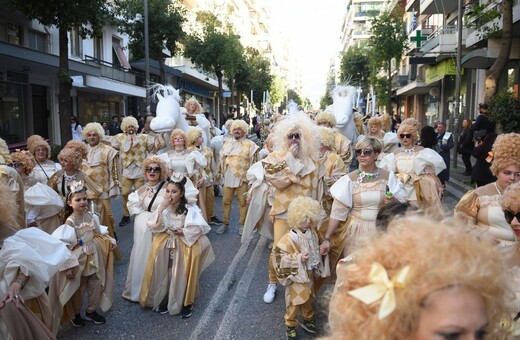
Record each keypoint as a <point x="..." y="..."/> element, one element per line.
<point x="314" y="29"/>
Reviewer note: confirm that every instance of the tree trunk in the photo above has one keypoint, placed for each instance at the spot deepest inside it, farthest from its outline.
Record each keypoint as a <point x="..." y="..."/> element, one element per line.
<point x="493" y="74"/>
<point x="220" y="96"/>
<point x="65" y="85"/>
<point x="162" y="70"/>
<point x="389" y="84"/>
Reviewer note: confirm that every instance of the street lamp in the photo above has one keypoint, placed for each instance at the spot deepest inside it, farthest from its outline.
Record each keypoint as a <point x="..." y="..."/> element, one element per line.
<point x="146" y="56"/>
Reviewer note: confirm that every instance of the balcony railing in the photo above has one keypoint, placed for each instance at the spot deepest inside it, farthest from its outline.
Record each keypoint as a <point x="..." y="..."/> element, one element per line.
<point x="111" y="71"/>
<point x="442" y="40"/>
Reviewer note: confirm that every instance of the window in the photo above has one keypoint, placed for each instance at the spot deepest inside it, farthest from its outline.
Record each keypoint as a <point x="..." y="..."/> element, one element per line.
<point x="11" y="33"/>
<point x="37" y="41"/>
<point x="98" y="48"/>
<point x="118" y="55"/>
<point x="76" y="42"/>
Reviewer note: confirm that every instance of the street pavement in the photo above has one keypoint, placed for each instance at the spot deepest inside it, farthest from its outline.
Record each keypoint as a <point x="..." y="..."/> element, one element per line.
<point x="230" y="300"/>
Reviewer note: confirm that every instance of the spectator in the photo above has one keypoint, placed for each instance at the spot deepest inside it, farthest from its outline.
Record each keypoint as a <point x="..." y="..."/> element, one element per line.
<point x="466" y="145"/>
<point x="105" y="128"/>
<point x="76" y="128"/>
<point x="443" y="147"/>
<point x="428" y="137"/>
<point x="115" y="127"/>
<point x="483" y="125"/>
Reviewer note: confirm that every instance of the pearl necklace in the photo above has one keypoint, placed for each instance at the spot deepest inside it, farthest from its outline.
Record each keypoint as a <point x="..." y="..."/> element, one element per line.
<point x="367" y="175"/>
<point x="498" y="190"/>
<point x="409" y="151"/>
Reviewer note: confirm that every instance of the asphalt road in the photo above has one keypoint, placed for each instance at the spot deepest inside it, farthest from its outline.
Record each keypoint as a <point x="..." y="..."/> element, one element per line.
<point x="230" y="301"/>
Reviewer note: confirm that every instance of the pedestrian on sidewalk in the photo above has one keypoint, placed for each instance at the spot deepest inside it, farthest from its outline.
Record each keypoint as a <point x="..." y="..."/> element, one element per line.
<point x="443" y="147"/>
<point x="480" y="173"/>
<point x="466" y="145"/>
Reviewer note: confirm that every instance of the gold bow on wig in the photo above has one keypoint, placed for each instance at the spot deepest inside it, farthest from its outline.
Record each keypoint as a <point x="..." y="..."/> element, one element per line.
<point x="381" y="287"/>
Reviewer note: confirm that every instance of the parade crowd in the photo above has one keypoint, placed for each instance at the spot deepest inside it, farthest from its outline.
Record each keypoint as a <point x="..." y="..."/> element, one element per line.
<point x="364" y="215"/>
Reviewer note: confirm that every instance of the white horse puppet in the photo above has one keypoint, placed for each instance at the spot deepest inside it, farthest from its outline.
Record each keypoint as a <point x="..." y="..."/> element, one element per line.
<point x="343" y="97"/>
<point x="168" y="111"/>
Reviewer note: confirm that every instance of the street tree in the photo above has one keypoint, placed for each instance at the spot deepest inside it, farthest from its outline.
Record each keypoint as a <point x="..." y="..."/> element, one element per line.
<point x="87" y="17"/>
<point x="355" y="68"/>
<point x="387" y="41"/>
<point x="277" y="91"/>
<point x="165" y="27"/>
<point x="326" y="99"/>
<point x="215" y="48"/>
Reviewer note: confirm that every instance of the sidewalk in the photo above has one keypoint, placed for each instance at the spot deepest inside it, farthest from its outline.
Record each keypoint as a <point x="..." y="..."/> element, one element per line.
<point x="458" y="184"/>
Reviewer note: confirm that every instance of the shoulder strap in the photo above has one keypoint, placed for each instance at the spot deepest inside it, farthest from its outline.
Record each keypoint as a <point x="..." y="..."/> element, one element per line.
<point x="155" y="196"/>
<point x="41" y="167"/>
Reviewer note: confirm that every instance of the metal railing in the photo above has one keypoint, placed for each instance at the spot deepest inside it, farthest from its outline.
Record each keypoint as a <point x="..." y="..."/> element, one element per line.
<point x="111" y="71"/>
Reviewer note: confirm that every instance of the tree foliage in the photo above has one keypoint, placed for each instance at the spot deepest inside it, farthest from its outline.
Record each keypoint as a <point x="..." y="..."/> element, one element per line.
<point x="215" y="48"/>
<point x="277" y="91"/>
<point x="506" y="112"/>
<point x="388" y="39"/>
<point x="255" y="75"/>
<point x="87" y="16"/>
<point x="165" y="27"/>
<point x="355" y="67"/>
<point x="326" y="99"/>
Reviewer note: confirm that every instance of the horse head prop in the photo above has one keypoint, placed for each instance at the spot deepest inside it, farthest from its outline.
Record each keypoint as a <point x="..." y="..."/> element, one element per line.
<point x="343" y="97"/>
<point x="292" y="107"/>
<point x="169" y="116"/>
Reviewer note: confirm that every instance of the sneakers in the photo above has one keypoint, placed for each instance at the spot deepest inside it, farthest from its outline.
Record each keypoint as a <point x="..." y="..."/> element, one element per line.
<point x="163" y="310"/>
<point x="186" y="311"/>
<point x="78" y="321"/>
<point x="291" y="333"/>
<point x="95" y="317"/>
<point x="215" y="221"/>
<point x="269" y="294"/>
<point x="222" y="229"/>
<point x="309" y="326"/>
<point x="124" y="221"/>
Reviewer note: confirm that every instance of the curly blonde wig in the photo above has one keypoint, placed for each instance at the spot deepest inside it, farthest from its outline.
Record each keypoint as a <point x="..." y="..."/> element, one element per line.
<point x="160" y="162"/>
<point x="93" y="127"/>
<point x="365" y="141"/>
<point x="386" y="122"/>
<point x="409" y="125"/>
<point x="80" y="147"/>
<point x="439" y="255"/>
<point x="36" y="141"/>
<point x="375" y="121"/>
<point x="228" y="124"/>
<point x="71" y="155"/>
<point x="198" y="108"/>
<point x="327" y="137"/>
<point x="178" y="132"/>
<point x="9" y="207"/>
<point x="5" y="157"/>
<point x="506" y="152"/>
<point x="240" y="124"/>
<point x="129" y="121"/>
<point x="193" y="133"/>
<point x="25" y="159"/>
<point x="325" y="116"/>
<point x="303" y="209"/>
<point x="511" y="198"/>
<point x="301" y="123"/>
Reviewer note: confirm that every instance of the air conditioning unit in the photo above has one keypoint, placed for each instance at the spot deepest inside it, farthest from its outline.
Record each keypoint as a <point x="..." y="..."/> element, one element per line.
<point x="435" y="92"/>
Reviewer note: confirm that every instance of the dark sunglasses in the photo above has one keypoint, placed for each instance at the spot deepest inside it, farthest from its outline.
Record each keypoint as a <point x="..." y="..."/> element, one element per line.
<point x="509" y="215"/>
<point x="16" y="165"/>
<point x="294" y="135"/>
<point x="153" y="169"/>
<point x="364" y="152"/>
<point x="407" y="135"/>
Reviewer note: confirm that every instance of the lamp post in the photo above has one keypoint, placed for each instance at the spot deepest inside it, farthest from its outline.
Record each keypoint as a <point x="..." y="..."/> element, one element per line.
<point x="146" y="56"/>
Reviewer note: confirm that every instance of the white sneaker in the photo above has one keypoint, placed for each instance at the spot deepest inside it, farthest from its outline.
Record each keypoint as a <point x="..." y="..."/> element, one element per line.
<point x="269" y="294"/>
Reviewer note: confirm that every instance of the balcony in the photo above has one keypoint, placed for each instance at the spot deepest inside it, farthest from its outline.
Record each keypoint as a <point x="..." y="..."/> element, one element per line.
<point x="443" y="40"/>
<point x="426" y="31"/>
<point x="110" y="71"/>
<point x="438" y="6"/>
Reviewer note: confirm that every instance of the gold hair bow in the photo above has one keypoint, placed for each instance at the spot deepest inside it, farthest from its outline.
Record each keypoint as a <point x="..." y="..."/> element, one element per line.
<point x="381" y="287"/>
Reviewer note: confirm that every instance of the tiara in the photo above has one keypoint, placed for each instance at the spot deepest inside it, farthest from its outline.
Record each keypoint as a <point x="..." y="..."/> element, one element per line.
<point x="77" y="186"/>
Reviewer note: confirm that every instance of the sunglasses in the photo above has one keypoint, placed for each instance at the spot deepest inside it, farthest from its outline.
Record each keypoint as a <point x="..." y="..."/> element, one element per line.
<point x="153" y="169"/>
<point x="364" y="152"/>
<point x="294" y="135"/>
<point x="407" y="135"/>
<point x="16" y="165"/>
<point x="509" y="215"/>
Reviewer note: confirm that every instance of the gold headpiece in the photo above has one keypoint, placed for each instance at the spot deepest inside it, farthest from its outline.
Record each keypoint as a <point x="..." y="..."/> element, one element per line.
<point x="382" y="288"/>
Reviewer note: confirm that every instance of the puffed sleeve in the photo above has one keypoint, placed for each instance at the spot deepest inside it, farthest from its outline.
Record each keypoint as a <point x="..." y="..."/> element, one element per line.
<point x="427" y="157"/>
<point x="255" y="175"/>
<point x="134" y="204"/>
<point x="396" y="187"/>
<point x="466" y="211"/>
<point x="195" y="160"/>
<point x="342" y="191"/>
<point x="155" y="222"/>
<point x="41" y="195"/>
<point x="194" y="225"/>
<point x="388" y="162"/>
<point x="278" y="172"/>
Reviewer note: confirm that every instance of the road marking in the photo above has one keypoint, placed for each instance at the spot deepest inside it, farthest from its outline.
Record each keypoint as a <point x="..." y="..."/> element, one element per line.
<point x="223" y="288"/>
<point x="224" y="331"/>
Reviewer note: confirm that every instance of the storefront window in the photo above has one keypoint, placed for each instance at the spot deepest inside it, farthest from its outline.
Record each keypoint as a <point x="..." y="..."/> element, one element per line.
<point x="93" y="107"/>
<point x="12" y="120"/>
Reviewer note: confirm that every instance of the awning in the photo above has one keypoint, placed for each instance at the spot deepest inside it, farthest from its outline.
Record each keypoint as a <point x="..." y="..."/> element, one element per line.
<point x="105" y="85"/>
<point x="413" y="88"/>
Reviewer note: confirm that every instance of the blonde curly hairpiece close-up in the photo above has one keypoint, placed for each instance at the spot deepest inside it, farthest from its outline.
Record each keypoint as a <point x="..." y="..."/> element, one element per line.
<point x="506" y="152"/>
<point x="303" y="209"/>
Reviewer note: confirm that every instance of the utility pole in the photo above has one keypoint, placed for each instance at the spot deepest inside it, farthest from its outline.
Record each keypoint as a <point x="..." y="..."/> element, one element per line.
<point x="146" y="57"/>
<point x="457" y="112"/>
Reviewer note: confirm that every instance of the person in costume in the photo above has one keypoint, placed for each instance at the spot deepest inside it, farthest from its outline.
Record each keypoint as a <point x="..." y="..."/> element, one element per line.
<point x="28" y="260"/>
<point x="142" y="204"/>
<point x="180" y="252"/>
<point x="195" y="142"/>
<point x="92" y="246"/>
<point x="236" y="157"/>
<point x="342" y="144"/>
<point x="71" y="159"/>
<point x="41" y="150"/>
<point x="422" y="279"/>
<point x="195" y="117"/>
<point x="375" y="128"/>
<point x="417" y="169"/>
<point x="42" y="204"/>
<point x="296" y="259"/>
<point x="293" y="170"/>
<point x="133" y="149"/>
<point x="101" y="166"/>
<point x="358" y="197"/>
<point x="481" y="207"/>
<point x="11" y="177"/>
